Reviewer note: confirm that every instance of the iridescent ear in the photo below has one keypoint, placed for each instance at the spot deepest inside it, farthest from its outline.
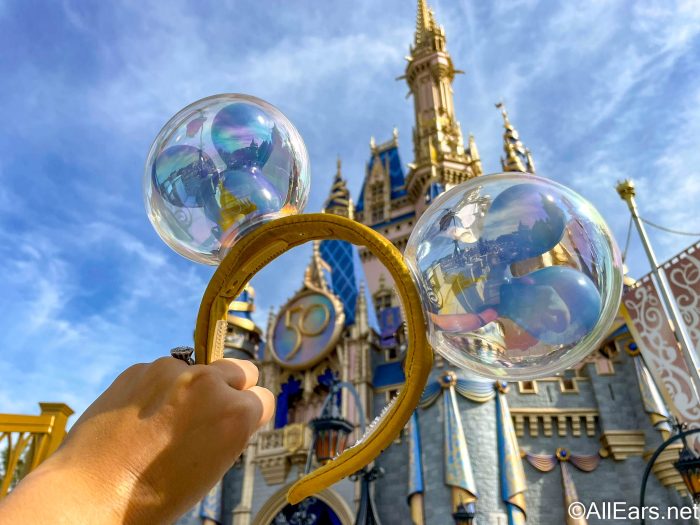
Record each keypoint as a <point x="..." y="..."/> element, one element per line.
<point x="260" y="246"/>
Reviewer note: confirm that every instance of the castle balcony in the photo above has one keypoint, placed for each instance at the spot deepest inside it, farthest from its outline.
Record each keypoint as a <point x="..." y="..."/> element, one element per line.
<point x="277" y="450"/>
<point x="564" y="421"/>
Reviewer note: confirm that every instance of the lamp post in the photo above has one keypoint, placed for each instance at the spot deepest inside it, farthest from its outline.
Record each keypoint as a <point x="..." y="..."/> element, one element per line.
<point x="688" y="465"/>
<point x="627" y="193"/>
<point x="330" y="438"/>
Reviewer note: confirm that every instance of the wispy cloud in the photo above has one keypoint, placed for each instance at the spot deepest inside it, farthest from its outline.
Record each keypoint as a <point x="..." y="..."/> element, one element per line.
<point x="598" y="90"/>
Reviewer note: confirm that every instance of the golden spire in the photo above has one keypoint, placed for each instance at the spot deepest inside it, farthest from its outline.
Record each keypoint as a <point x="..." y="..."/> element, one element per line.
<point x="314" y="277"/>
<point x="428" y="32"/>
<point x="438" y="145"/>
<point x="339" y="201"/>
<point x="422" y="21"/>
<point x="517" y="156"/>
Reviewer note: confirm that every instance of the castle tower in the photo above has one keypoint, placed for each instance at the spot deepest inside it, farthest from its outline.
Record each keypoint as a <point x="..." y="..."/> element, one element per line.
<point x="243" y="336"/>
<point x="339" y="254"/>
<point x="440" y="157"/>
<point x="390" y="202"/>
<point x="339" y="201"/>
<point x="517" y="157"/>
<point x="384" y="205"/>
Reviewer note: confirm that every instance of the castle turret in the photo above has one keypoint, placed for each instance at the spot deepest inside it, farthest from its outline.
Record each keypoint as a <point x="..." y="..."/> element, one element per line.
<point x="339" y="254"/>
<point x="439" y="153"/>
<point x="339" y="201"/>
<point x="517" y="157"/>
<point x="244" y="337"/>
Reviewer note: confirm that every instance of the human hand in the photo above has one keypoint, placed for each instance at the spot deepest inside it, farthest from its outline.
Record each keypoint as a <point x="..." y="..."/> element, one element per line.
<point x="149" y="447"/>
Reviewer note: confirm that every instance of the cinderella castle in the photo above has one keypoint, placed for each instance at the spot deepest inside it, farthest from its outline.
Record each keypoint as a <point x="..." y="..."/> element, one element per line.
<point x="507" y="453"/>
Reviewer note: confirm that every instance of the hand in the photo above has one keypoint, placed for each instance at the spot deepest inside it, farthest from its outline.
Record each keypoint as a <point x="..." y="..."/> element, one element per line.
<point x="148" y="448"/>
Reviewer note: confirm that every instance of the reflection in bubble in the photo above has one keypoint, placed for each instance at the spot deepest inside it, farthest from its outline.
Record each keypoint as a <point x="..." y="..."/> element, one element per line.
<point x="221" y="166"/>
<point x="519" y="275"/>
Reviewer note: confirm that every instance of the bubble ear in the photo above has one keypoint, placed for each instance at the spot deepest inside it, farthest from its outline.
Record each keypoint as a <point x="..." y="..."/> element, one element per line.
<point x="257" y="249"/>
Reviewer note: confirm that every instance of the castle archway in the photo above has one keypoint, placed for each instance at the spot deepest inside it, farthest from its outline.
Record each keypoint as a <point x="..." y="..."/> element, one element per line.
<point x="327" y="505"/>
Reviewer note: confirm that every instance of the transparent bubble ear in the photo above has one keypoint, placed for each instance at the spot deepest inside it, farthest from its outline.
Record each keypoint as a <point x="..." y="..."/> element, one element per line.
<point x="519" y="276"/>
<point x="221" y="166"/>
<point x="251" y="253"/>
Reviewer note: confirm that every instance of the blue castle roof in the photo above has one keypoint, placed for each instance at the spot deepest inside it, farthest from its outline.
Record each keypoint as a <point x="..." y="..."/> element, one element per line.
<point x="397" y="180"/>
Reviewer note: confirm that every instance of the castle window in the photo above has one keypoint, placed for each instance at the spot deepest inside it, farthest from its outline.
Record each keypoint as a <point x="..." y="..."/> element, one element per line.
<point x="377" y="213"/>
<point x="568" y="385"/>
<point x="382" y="300"/>
<point x="527" y="387"/>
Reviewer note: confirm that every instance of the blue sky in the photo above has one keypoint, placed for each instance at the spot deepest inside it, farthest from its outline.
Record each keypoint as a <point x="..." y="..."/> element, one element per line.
<point x="599" y="91"/>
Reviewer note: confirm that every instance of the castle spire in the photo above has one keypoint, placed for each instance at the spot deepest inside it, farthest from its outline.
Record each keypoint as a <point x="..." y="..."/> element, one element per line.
<point x="339" y="201"/>
<point x="314" y="277"/>
<point x="423" y="21"/>
<point x="517" y="156"/>
<point x="439" y="153"/>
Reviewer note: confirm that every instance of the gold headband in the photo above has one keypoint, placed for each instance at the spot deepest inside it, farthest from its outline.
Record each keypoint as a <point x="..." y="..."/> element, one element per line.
<point x="254" y="251"/>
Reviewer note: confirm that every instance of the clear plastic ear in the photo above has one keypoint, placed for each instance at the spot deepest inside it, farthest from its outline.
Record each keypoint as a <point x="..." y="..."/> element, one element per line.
<point x="220" y="167"/>
<point x="519" y="276"/>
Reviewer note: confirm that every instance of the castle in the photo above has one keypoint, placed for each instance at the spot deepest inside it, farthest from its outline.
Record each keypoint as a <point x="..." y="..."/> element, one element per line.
<point x="510" y="453"/>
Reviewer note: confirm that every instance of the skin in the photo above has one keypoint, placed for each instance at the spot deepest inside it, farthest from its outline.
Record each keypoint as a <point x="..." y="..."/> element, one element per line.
<point x="149" y="448"/>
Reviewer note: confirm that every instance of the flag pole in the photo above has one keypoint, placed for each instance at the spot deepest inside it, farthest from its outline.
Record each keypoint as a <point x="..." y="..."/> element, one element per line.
<point x="627" y="192"/>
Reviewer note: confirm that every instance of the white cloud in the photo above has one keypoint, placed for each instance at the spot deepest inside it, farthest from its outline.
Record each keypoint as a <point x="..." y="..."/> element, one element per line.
<point x="599" y="91"/>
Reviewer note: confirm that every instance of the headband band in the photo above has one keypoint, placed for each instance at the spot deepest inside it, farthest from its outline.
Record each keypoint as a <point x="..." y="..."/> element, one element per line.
<point x="260" y="246"/>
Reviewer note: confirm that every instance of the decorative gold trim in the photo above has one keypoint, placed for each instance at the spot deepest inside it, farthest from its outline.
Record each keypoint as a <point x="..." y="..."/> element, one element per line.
<point x="245" y="324"/>
<point x="619" y="444"/>
<point x="502" y="386"/>
<point x="579" y="419"/>
<point x="241" y="306"/>
<point x="447" y="379"/>
<point x="664" y="469"/>
<point x="562" y="454"/>
<point x="632" y="351"/>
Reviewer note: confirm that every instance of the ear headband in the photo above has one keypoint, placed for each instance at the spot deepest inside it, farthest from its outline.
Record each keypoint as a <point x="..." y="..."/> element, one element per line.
<point x="254" y="251"/>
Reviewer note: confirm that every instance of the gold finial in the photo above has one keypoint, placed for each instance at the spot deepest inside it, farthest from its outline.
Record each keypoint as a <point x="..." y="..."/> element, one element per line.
<point x="372" y="143"/>
<point x="625" y="189"/>
<point x="422" y="20"/>
<point x="338" y="162"/>
<point x="500" y="105"/>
